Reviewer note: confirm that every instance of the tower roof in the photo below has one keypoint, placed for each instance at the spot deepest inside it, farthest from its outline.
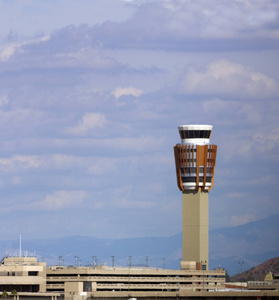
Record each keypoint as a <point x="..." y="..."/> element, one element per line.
<point x="195" y="127"/>
<point x="195" y="134"/>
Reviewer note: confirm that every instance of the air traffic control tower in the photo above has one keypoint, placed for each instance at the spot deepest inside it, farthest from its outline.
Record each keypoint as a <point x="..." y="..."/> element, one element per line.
<point x="195" y="161"/>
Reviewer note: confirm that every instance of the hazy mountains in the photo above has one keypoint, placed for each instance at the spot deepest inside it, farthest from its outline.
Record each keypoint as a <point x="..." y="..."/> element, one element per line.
<point x="252" y="244"/>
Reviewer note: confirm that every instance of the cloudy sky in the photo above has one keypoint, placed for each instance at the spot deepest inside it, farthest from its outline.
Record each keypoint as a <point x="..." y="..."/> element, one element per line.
<point x="92" y="92"/>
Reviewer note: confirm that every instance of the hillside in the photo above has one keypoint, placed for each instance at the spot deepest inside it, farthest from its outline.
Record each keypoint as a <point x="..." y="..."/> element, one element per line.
<point x="259" y="272"/>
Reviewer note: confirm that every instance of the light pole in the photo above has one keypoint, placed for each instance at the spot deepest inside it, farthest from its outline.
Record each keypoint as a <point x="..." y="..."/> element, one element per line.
<point x="164" y="263"/>
<point x="113" y="261"/>
<point x="93" y="260"/>
<point x="146" y="261"/>
<point x="60" y="260"/>
<point x="76" y="261"/>
<point x="241" y="264"/>
<point x="130" y="264"/>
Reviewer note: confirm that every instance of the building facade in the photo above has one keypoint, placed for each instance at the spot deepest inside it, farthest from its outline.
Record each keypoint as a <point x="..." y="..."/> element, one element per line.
<point x="22" y="274"/>
<point x="104" y="281"/>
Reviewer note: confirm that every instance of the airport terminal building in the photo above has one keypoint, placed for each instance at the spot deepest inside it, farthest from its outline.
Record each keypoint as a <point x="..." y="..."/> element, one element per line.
<point x="27" y="276"/>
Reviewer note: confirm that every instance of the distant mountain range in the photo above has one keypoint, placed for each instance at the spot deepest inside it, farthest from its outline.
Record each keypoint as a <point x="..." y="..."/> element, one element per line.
<point x="252" y="243"/>
<point x="235" y="248"/>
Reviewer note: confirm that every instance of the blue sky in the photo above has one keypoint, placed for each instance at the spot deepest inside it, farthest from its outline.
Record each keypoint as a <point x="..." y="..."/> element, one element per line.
<point x="92" y="92"/>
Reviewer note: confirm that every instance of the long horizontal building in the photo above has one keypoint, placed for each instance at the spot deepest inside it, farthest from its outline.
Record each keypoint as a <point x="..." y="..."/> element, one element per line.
<point x="103" y="280"/>
<point x="33" y="280"/>
<point x="26" y="275"/>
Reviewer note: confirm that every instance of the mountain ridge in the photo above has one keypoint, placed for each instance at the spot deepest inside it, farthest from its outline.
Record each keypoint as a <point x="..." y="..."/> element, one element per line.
<point x="253" y="243"/>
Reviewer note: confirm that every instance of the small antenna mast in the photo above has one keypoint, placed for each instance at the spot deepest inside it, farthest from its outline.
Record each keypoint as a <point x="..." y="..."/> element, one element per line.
<point x="20" y="245"/>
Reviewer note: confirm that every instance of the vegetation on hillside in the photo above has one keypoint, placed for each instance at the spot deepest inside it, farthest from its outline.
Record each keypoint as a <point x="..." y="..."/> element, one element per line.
<point x="259" y="272"/>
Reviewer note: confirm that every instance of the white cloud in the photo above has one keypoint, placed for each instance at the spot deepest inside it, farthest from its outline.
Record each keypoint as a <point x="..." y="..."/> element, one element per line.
<point x="243" y="219"/>
<point x="129" y="203"/>
<point x="261" y="143"/>
<point x="123" y="199"/>
<point x="60" y="199"/>
<point x="32" y="17"/>
<point x="245" y="112"/>
<point x="218" y="106"/>
<point x="267" y="141"/>
<point x="55" y="201"/>
<point x="103" y="165"/>
<point x="215" y="20"/>
<point x="260" y="180"/>
<point x="83" y="56"/>
<point x="177" y="18"/>
<point x="10" y="49"/>
<point x="65" y="48"/>
<point x="16" y="180"/>
<point x="19" y="162"/>
<point x="223" y="77"/>
<point x="95" y="165"/>
<point x="120" y="91"/>
<point x="235" y="195"/>
<point x="3" y="100"/>
<point x="89" y="122"/>
<point x="184" y="25"/>
<point x="7" y="51"/>
<point x="143" y="143"/>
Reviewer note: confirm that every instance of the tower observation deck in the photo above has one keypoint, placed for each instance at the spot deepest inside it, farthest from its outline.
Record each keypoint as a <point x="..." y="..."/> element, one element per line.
<point x="195" y="161"/>
<point x="195" y="158"/>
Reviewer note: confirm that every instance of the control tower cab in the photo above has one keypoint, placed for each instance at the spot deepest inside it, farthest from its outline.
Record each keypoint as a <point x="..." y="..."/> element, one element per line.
<point x="195" y="158"/>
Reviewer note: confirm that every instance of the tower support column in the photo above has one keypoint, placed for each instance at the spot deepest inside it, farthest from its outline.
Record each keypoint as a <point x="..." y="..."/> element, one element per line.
<point x="195" y="226"/>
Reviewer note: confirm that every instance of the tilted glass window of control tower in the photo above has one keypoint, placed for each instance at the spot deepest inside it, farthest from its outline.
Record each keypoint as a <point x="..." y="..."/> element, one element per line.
<point x="195" y="158"/>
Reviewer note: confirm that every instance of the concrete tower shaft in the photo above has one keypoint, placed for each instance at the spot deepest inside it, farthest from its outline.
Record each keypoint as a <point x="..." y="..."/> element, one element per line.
<point x="195" y="161"/>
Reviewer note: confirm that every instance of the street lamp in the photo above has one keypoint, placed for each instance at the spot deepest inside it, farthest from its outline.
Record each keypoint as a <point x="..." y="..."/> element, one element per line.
<point x="93" y="259"/>
<point x="113" y="261"/>
<point x="241" y="263"/>
<point x="76" y="260"/>
<point x="60" y="260"/>
<point x="164" y="263"/>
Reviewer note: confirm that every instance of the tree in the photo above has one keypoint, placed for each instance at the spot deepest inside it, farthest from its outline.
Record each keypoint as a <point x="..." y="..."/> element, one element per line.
<point x="14" y="293"/>
<point x="227" y="276"/>
<point x="5" y="294"/>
